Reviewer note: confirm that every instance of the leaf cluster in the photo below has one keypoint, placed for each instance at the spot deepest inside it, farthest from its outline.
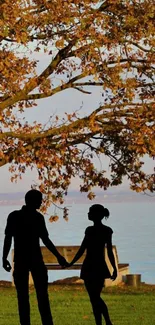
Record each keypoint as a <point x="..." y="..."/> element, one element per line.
<point x="108" y="44"/>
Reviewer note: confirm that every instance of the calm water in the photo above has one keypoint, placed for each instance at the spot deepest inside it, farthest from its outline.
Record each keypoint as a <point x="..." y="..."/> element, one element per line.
<point x="134" y="235"/>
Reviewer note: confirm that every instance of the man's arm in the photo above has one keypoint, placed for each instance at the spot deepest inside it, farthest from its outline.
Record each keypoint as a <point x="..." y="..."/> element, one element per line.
<point x="6" y="250"/>
<point x="48" y="243"/>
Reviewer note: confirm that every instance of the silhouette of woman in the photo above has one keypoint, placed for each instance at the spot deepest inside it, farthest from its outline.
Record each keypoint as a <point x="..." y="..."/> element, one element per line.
<point x="94" y="269"/>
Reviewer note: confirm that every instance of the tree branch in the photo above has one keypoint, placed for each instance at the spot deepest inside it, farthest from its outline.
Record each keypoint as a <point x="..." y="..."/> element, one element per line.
<point x="139" y="46"/>
<point x="75" y="125"/>
<point x="36" y="81"/>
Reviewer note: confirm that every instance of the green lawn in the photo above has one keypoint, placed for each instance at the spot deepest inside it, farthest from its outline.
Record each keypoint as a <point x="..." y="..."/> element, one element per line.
<point x="70" y="306"/>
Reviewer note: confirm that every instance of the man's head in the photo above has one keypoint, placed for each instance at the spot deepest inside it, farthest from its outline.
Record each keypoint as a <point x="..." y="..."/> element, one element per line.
<point x="33" y="199"/>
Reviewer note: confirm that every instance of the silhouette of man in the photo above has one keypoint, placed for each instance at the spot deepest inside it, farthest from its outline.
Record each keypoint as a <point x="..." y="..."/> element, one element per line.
<point x="27" y="226"/>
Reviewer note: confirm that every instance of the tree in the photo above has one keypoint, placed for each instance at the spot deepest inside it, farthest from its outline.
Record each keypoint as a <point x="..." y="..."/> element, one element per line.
<point x="106" y="44"/>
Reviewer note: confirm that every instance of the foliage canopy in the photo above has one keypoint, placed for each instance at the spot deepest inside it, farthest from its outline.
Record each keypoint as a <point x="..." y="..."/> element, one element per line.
<point x="107" y="44"/>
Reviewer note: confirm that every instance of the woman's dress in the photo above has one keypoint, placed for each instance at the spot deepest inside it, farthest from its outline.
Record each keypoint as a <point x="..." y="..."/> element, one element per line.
<point x="94" y="266"/>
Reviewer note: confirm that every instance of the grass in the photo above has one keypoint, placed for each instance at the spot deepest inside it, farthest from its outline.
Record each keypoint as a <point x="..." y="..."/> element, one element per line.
<point x="70" y="306"/>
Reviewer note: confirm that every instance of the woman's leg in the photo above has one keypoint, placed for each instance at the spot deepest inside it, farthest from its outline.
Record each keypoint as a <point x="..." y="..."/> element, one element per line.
<point x="105" y="312"/>
<point x="98" y="305"/>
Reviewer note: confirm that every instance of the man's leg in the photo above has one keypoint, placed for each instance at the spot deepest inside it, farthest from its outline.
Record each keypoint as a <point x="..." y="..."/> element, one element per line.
<point x="40" y="278"/>
<point x="21" y="277"/>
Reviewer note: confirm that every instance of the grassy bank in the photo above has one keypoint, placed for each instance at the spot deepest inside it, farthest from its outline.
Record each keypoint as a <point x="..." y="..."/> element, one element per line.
<point x="70" y="306"/>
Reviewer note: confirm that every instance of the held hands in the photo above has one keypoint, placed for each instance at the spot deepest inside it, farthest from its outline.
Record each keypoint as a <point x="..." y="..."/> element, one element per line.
<point x="6" y="265"/>
<point x="67" y="265"/>
<point x="114" y="275"/>
<point x="62" y="262"/>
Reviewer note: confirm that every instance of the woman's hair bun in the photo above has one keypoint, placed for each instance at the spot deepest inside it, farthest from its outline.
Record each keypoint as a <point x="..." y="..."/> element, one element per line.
<point x="106" y="213"/>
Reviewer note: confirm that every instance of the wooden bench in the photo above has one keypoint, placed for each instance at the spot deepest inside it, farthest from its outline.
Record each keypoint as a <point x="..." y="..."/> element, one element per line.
<point x="69" y="252"/>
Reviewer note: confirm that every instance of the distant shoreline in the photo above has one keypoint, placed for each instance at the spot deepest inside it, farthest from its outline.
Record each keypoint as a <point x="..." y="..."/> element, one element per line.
<point x="98" y="200"/>
<point x="76" y="197"/>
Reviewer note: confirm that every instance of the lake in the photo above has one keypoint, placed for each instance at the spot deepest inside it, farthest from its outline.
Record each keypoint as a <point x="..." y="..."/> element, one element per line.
<point x="133" y="225"/>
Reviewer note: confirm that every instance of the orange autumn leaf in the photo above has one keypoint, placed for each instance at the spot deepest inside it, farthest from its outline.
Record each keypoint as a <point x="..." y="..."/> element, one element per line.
<point x="53" y="218"/>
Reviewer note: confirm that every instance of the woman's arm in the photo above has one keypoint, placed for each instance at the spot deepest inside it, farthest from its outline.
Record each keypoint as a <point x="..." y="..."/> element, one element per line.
<point x="79" y="253"/>
<point x="111" y="257"/>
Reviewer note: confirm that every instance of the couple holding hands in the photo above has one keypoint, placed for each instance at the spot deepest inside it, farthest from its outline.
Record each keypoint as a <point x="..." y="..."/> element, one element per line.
<point x="26" y="227"/>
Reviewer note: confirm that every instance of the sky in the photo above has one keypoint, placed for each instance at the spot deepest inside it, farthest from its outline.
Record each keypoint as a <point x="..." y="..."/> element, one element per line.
<point x="67" y="101"/>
